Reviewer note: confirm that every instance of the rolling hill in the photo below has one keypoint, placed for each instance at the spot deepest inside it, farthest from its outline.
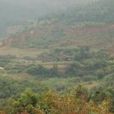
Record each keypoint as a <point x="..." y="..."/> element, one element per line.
<point x="14" y="12"/>
<point x="57" y="57"/>
<point x="90" y="25"/>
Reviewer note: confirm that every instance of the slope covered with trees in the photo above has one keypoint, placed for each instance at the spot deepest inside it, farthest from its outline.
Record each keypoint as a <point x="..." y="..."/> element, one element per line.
<point x="90" y="25"/>
<point x="60" y="63"/>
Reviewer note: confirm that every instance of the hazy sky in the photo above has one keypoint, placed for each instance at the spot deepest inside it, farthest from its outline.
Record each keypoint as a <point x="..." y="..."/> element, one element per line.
<point x="39" y="6"/>
<point x="18" y="10"/>
<point x="47" y="3"/>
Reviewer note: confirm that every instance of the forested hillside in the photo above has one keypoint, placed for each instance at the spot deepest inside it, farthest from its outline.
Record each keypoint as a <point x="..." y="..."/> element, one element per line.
<point x="90" y="25"/>
<point x="57" y="57"/>
<point x="15" y="12"/>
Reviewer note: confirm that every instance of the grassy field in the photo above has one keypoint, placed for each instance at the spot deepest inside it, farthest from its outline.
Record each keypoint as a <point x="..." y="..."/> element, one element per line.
<point x="18" y="52"/>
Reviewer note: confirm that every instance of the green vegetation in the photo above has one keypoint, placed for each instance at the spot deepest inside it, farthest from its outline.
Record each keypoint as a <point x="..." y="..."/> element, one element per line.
<point x="77" y="62"/>
<point x="59" y="71"/>
<point x="62" y="63"/>
<point x="79" y="100"/>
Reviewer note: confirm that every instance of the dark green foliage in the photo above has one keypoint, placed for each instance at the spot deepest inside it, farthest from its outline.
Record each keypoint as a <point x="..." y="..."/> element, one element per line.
<point x="39" y="70"/>
<point x="27" y="101"/>
<point x="49" y="100"/>
<point x="4" y="60"/>
<point x="67" y="62"/>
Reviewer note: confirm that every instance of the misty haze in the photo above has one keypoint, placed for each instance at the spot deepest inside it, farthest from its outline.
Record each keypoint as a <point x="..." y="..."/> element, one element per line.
<point x="56" y="56"/>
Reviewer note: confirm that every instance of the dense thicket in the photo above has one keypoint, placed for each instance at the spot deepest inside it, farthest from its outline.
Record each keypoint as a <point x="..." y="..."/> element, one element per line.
<point x="79" y="100"/>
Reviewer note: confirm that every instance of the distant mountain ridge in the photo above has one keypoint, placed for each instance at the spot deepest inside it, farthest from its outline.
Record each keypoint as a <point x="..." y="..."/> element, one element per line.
<point x="91" y="25"/>
<point x="14" y="12"/>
